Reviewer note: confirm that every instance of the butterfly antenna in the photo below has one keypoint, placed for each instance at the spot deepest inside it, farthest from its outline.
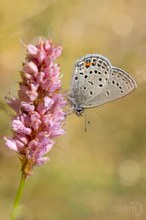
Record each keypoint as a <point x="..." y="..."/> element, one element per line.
<point x="86" y="122"/>
<point x="85" y="118"/>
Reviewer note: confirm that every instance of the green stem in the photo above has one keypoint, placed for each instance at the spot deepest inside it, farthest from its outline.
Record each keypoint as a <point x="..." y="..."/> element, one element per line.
<point x="18" y="197"/>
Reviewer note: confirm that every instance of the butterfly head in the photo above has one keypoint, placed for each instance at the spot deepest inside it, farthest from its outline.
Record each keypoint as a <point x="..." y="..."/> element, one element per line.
<point x="78" y="110"/>
<point x="76" y="107"/>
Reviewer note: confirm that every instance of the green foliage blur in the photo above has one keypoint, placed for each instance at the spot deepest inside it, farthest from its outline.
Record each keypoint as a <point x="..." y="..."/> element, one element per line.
<point x="101" y="173"/>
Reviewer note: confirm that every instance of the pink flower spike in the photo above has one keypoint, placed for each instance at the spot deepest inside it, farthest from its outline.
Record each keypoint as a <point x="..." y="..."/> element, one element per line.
<point x="45" y="106"/>
<point x="40" y="77"/>
<point x="48" y="102"/>
<point x="42" y="161"/>
<point x="45" y="146"/>
<point x="35" y="120"/>
<point x="41" y="56"/>
<point x="19" y="127"/>
<point x="48" y="45"/>
<point x="32" y="49"/>
<point x="22" y="138"/>
<point x="11" y="144"/>
<point x="31" y="68"/>
<point x="57" y="51"/>
<point x="14" y="103"/>
<point x="32" y="95"/>
<point x="39" y="107"/>
<point x="19" y="144"/>
<point x="27" y="106"/>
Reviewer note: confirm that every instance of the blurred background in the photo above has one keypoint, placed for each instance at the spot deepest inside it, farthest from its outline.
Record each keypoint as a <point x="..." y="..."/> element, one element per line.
<point x="100" y="174"/>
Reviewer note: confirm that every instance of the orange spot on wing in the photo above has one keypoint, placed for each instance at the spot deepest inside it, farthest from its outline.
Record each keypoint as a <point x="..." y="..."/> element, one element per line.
<point x="87" y="64"/>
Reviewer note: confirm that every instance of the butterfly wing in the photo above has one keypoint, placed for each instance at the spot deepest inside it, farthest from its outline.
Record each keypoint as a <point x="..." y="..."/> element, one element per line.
<point x="91" y="75"/>
<point x="119" y="85"/>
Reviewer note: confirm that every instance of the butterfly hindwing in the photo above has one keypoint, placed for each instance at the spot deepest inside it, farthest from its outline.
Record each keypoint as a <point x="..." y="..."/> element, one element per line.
<point x="119" y="85"/>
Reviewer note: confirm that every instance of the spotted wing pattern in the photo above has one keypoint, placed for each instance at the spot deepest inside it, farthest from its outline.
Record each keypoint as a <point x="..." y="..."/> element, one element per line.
<point x="119" y="85"/>
<point x="91" y="76"/>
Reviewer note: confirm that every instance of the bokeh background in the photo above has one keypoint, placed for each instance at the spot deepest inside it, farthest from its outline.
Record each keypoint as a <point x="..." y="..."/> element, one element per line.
<point x="100" y="174"/>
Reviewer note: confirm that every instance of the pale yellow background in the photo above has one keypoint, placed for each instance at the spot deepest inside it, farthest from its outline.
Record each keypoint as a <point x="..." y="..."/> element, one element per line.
<point x="100" y="174"/>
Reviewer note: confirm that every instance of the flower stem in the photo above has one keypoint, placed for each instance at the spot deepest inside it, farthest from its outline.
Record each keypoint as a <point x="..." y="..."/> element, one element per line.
<point x="18" y="196"/>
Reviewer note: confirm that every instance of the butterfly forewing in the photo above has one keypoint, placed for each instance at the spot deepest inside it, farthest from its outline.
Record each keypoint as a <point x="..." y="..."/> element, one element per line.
<point x="91" y="76"/>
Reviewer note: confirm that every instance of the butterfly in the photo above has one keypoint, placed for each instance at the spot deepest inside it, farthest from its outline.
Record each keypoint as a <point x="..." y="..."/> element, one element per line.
<point x="96" y="82"/>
